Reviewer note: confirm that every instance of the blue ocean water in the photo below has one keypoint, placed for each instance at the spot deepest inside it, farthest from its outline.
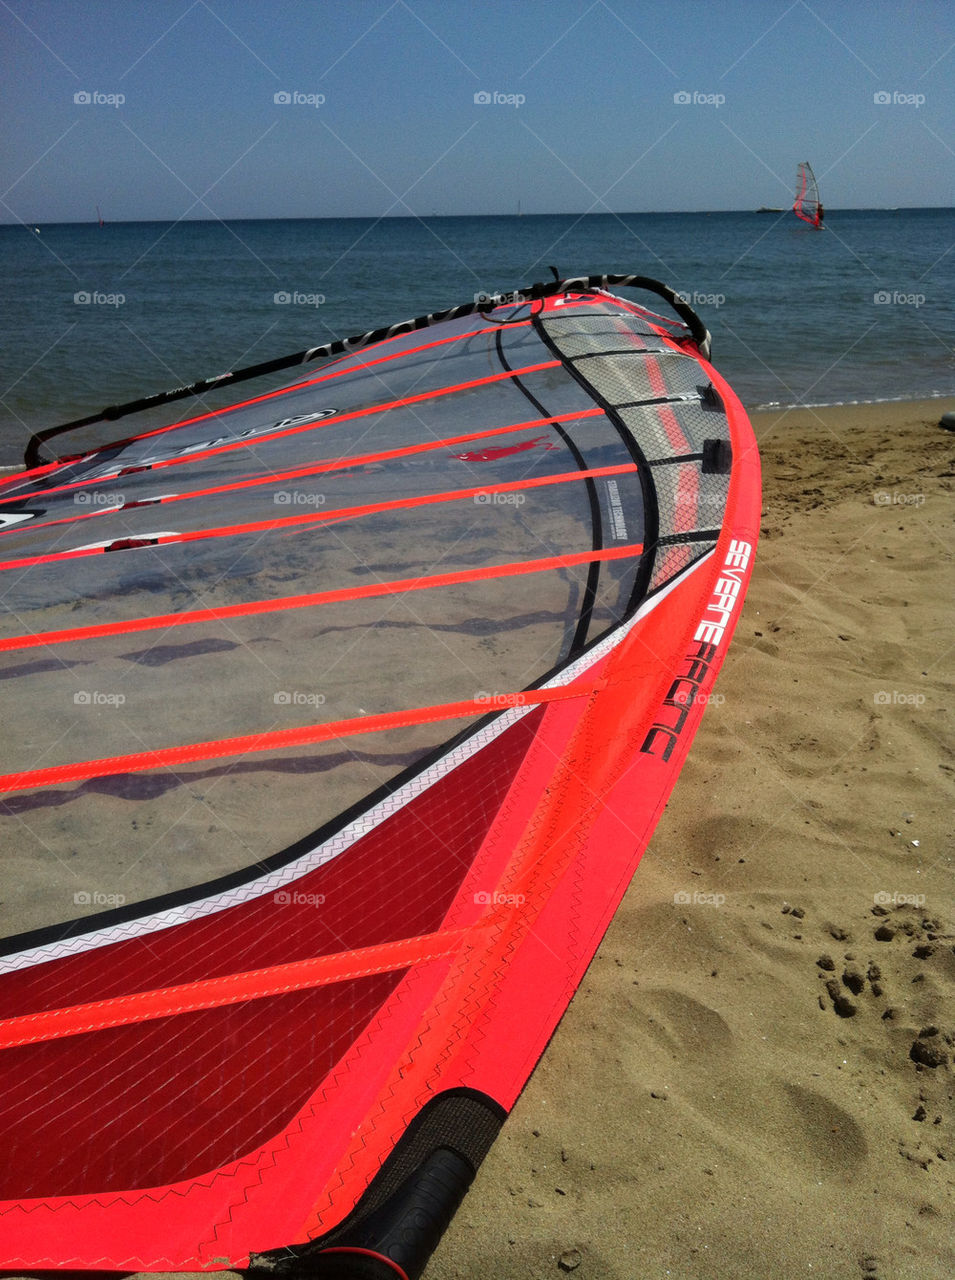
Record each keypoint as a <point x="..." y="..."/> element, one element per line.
<point x="93" y="315"/>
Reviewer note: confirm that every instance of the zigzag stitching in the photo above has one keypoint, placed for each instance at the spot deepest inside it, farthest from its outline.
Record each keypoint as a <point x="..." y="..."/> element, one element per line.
<point x="303" y="1121"/>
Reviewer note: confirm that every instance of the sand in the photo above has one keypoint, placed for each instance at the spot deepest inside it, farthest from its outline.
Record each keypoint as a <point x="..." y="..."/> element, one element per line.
<point x="732" y="1091"/>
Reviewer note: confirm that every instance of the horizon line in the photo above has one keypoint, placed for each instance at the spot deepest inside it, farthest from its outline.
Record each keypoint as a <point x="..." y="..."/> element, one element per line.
<point x="415" y="217"/>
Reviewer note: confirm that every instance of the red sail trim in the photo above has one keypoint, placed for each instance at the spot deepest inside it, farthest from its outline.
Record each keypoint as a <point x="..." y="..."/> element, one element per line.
<point x="254" y="441"/>
<point x="368" y="364"/>
<point x="273" y="740"/>
<point x="687" y="497"/>
<point x="399" y="1272"/>
<point x="310" y="519"/>
<point x="668" y="419"/>
<point x="322" y="377"/>
<point x="318" y="468"/>
<point x="271" y="395"/>
<point x="396" y="587"/>
<point x="232" y="988"/>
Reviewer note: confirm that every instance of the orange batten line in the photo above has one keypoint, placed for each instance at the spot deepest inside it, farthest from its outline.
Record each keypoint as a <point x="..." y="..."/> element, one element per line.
<point x="313" y="469"/>
<point x="340" y="595"/>
<point x="232" y="988"/>
<point x="350" y="416"/>
<point x="306" y="381"/>
<point x="343" y="463"/>
<point x="277" y="435"/>
<point x="309" y="519"/>
<point x="337" y="514"/>
<point x="251" y="743"/>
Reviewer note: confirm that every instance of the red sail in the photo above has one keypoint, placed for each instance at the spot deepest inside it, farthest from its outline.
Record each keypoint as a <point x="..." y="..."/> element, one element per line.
<point x="807" y="205"/>
<point x="329" y="754"/>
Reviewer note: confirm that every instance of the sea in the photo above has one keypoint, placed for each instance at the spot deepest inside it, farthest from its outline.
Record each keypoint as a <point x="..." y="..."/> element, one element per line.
<point x="96" y="314"/>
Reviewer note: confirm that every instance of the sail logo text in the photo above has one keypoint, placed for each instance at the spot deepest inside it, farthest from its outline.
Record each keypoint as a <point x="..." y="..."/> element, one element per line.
<point x="683" y="694"/>
<point x="725" y="594"/>
<point x="686" y="691"/>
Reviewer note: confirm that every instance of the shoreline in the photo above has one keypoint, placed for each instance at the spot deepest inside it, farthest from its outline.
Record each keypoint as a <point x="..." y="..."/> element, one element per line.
<point x="922" y="401"/>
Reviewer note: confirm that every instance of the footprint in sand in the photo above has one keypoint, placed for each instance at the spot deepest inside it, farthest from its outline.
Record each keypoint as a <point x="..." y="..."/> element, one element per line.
<point x="688" y="1027"/>
<point x="816" y="1132"/>
<point x="907" y="976"/>
<point x="833" y="1141"/>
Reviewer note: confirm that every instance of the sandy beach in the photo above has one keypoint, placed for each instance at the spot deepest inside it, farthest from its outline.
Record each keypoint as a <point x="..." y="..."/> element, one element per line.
<point x="745" y="1083"/>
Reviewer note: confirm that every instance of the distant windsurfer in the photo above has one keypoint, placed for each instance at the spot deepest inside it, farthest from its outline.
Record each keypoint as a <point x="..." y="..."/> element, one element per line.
<point x="807" y="204"/>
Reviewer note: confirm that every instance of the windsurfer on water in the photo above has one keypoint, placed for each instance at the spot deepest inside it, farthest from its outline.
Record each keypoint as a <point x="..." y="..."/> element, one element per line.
<point x="820" y="214"/>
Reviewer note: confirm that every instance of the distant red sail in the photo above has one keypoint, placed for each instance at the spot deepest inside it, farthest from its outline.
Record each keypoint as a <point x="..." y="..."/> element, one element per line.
<point x="806" y="205"/>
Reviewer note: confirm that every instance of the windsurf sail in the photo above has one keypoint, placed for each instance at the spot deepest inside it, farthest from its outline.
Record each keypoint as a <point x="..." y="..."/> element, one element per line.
<point x="806" y="204"/>
<point x="343" y="718"/>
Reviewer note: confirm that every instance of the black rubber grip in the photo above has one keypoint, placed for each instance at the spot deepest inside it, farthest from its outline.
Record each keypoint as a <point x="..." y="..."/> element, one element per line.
<point x="419" y="1214"/>
<point x="345" y="1264"/>
<point x="395" y="1240"/>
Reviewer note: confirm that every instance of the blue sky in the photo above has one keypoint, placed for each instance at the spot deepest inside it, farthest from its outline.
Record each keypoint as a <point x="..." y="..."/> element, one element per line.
<point x="163" y="109"/>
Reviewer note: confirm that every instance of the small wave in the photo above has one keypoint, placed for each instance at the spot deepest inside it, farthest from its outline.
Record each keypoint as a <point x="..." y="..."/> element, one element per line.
<point x="773" y="405"/>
